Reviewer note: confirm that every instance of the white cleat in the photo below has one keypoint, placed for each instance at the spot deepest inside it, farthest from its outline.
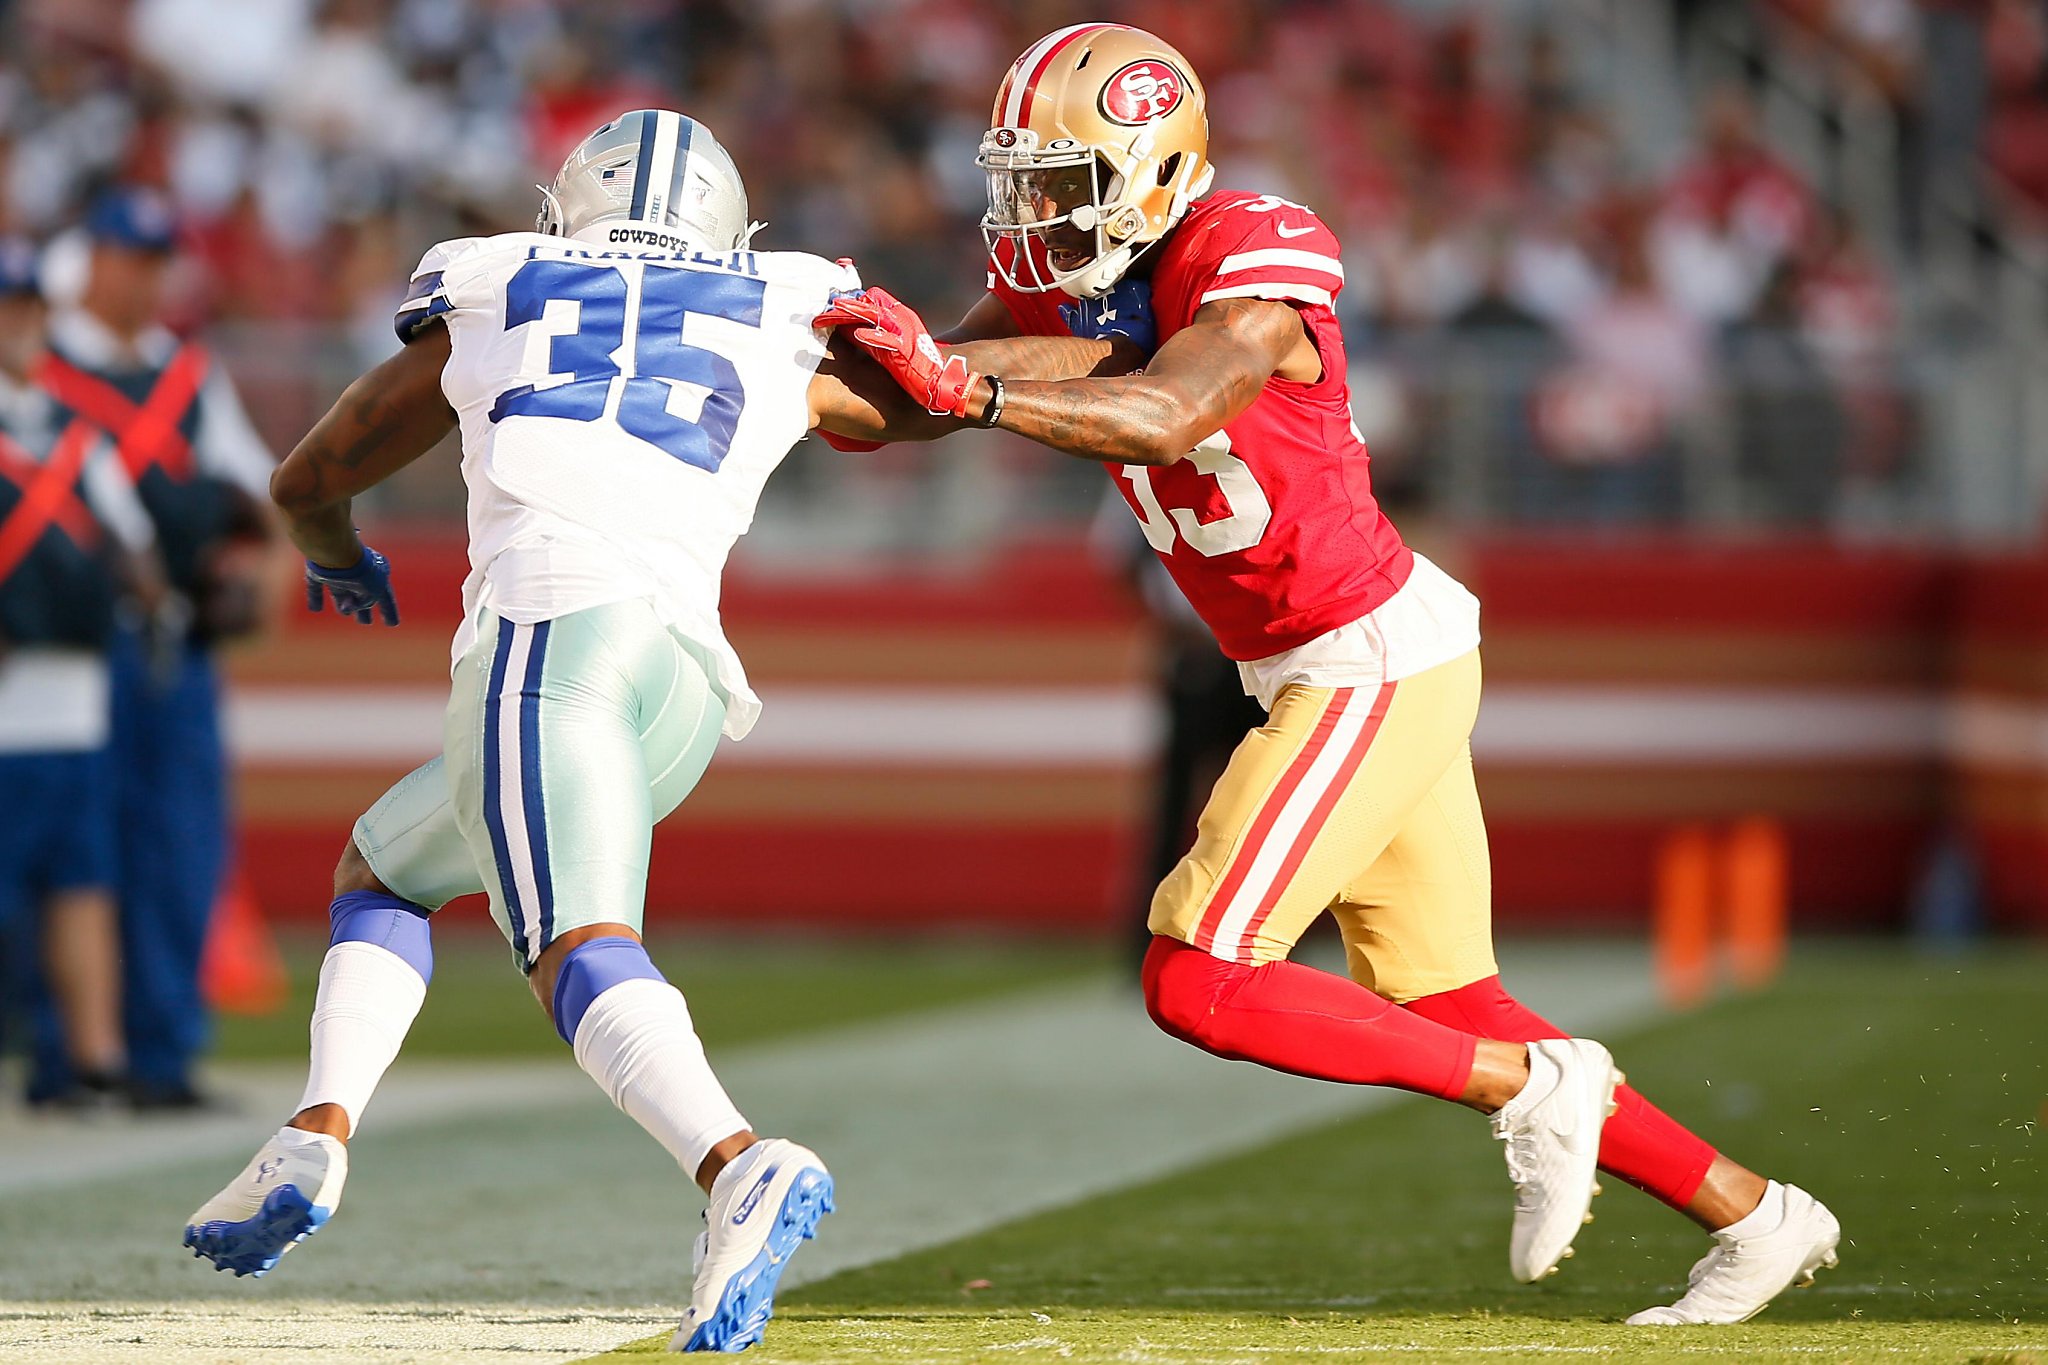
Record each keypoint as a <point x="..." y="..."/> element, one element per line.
<point x="287" y="1191"/>
<point x="764" y="1205"/>
<point x="1749" y="1267"/>
<point x="1552" y="1131"/>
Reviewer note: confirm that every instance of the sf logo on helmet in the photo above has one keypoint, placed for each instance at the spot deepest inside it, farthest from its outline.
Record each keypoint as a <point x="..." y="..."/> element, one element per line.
<point x="1141" y="92"/>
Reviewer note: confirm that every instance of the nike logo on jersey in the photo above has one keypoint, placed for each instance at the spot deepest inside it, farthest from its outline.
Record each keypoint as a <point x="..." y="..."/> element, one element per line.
<point x="1294" y="232"/>
<point x="753" y="1198"/>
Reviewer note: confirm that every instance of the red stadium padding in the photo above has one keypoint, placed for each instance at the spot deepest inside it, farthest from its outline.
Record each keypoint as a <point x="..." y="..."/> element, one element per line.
<point x="1957" y="649"/>
<point x="829" y="878"/>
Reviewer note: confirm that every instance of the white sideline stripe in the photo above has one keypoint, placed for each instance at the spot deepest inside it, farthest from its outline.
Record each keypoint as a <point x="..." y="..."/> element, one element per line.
<point x="937" y="1126"/>
<point x="1280" y="255"/>
<point x="1049" y="727"/>
<point x="1998" y="733"/>
<point x="40" y="1154"/>
<point x="1120" y="726"/>
<point x="1703" y="724"/>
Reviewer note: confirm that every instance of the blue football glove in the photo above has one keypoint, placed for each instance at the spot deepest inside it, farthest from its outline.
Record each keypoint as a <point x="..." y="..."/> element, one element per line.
<point x="1125" y="311"/>
<point x="358" y="590"/>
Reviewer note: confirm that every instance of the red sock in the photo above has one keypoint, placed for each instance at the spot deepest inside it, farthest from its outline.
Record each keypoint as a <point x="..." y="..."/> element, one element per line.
<point x="1295" y="1018"/>
<point x="1642" y="1144"/>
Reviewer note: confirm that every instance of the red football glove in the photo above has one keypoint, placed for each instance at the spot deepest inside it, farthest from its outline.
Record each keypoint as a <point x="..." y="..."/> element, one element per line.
<point x="893" y="333"/>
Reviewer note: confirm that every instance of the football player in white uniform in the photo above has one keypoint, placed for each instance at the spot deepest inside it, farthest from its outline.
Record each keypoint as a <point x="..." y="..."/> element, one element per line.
<point x="624" y="380"/>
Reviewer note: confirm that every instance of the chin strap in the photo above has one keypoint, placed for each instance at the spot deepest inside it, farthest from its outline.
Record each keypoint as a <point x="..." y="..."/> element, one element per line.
<point x="1099" y="276"/>
<point x="548" y="222"/>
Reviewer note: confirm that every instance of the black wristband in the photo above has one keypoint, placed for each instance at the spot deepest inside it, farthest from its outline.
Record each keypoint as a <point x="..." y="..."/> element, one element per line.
<point x="993" y="413"/>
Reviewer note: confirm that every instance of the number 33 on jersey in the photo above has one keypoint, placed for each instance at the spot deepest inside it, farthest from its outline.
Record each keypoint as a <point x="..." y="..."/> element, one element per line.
<point x="1269" y="526"/>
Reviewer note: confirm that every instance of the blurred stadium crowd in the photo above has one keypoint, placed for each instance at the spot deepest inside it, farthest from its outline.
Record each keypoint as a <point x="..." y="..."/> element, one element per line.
<point x="1695" y="328"/>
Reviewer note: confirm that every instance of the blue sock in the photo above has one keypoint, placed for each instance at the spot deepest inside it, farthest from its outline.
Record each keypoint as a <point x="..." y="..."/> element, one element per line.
<point x="376" y="917"/>
<point x="592" y="968"/>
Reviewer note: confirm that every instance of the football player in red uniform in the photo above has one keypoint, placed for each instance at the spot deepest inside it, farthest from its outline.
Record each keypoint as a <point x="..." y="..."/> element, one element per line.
<point x="1236" y="450"/>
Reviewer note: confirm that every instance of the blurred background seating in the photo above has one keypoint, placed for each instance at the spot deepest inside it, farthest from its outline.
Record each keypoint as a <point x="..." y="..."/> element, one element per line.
<point x="1596" y="249"/>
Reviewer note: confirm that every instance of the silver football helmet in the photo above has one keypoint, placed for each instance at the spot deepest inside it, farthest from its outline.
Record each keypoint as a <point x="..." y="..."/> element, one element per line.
<point x="651" y="177"/>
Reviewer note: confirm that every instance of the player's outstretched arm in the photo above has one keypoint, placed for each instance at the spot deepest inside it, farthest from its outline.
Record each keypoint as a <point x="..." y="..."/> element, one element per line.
<point x="1202" y="378"/>
<point x="852" y="396"/>
<point x="1051" y="358"/>
<point x="987" y="336"/>
<point x="381" y="423"/>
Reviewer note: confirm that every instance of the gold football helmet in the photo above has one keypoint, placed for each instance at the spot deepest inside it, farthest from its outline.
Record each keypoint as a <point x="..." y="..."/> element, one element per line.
<point x="1098" y="144"/>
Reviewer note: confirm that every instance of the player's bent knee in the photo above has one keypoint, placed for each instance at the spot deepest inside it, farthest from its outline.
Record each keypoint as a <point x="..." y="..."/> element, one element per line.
<point x="353" y="873"/>
<point x="1182" y="987"/>
<point x="588" y="970"/>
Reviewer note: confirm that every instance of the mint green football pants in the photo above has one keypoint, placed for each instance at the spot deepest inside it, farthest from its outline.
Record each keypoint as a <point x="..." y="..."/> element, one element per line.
<point x="564" y="743"/>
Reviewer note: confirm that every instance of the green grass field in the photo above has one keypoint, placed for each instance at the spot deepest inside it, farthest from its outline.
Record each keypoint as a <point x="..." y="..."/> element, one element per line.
<point x="1907" y="1091"/>
<point x="740" y="990"/>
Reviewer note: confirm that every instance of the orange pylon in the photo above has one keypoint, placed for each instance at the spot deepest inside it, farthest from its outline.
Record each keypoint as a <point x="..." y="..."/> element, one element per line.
<point x="241" y="970"/>
<point x="1683" y="915"/>
<point x="1756" y="873"/>
<point x="1720" y="892"/>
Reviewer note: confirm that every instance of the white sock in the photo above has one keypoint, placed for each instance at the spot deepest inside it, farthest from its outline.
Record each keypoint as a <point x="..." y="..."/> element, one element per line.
<point x="737" y="1168"/>
<point x="289" y="1138"/>
<point x="637" y="1042"/>
<point x="1765" y="1217"/>
<point x="368" y="998"/>
<point x="1543" y="1078"/>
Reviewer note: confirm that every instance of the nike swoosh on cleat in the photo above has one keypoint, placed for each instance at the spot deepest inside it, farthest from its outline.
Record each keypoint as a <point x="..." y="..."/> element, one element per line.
<point x="1573" y="1138"/>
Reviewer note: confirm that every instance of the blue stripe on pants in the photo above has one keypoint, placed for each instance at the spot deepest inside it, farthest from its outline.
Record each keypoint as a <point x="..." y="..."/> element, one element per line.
<point x="530" y="786"/>
<point x="501" y="850"/>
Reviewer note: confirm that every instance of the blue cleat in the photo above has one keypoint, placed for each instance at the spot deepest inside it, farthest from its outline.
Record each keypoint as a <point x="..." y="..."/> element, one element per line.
<point x="764" y="1206"/>
<point x="283" y="1196"/>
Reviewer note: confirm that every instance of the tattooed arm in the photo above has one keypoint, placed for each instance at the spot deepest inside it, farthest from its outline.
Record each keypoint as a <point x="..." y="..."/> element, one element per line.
<point x="988" y="337"/>
<point x="381" y="423"/>
<point x="853" y="396"/>
<point x="1200" y="379"/>
<point x="1052" y="358"/>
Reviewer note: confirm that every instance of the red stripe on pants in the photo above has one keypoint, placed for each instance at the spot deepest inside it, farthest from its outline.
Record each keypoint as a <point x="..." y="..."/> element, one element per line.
<point x="1269" y="814"/>
<point x="1313" y="829"/>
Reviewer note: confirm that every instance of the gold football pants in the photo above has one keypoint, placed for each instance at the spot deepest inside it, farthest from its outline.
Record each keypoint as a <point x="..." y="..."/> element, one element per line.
<point x="1359" y="801"/>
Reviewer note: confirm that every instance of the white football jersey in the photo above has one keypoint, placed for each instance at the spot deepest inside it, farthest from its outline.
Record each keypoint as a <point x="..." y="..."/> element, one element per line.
<point x="620" y="410"/>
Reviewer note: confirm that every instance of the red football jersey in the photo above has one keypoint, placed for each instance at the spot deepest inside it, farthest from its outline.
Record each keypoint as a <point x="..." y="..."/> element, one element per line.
<point x="1270" y="526"/>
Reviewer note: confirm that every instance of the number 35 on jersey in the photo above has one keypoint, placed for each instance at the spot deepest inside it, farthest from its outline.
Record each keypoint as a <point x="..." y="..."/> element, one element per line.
<point x="583" y="362"/>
